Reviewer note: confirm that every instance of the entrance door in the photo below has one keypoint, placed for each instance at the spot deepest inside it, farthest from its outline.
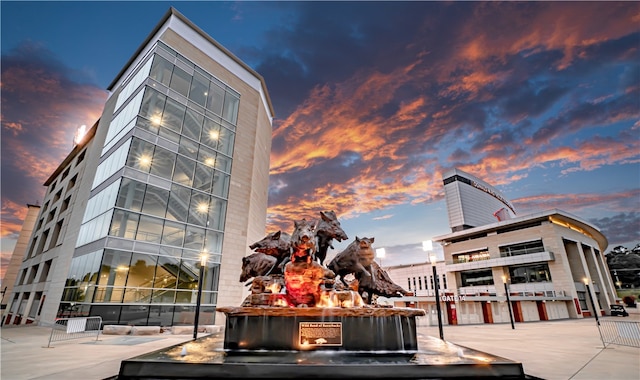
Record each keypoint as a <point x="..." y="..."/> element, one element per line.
<point x="542" y="310"/>
<point x="452" y="315"/>
<point x="487" y="315"/>
<point x="517" y="311"/>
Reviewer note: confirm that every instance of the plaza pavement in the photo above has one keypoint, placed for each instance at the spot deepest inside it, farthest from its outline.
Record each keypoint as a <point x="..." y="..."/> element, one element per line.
<point x="552" y="350"/>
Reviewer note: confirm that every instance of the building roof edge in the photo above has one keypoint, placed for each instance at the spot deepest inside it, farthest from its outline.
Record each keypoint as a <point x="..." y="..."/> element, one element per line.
<point x="562" y="215"/>
<point x="174" y="12"/>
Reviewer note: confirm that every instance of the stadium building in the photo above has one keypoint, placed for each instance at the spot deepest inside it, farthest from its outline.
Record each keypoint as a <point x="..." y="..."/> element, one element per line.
<point x="542" y="266"/>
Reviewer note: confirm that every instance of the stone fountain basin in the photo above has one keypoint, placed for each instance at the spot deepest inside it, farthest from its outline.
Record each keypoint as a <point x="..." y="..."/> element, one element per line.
<point x="205" y="358"/>
<point x="361" y="329"/>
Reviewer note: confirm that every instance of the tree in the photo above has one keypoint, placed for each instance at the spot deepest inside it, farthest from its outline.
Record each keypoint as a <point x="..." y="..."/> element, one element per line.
<point x="619" y="250"/>
<point x="624" y="265"/>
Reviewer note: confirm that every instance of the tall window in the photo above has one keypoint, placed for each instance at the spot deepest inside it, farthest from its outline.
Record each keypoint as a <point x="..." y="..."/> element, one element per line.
<point x="476" y="278"/>
<point x="530" y="273"/>
<point x="582" y="298"/>
<point x="522" y="248"/>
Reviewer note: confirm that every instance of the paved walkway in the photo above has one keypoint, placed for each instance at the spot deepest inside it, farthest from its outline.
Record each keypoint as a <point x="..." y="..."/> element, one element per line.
<point x="556" y="350"/>
<point x="25" y="354"/>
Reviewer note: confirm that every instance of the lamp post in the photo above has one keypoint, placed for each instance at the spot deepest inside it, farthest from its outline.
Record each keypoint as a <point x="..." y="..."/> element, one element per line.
<point x="593" y="304"/>
<point x="506" y="292"/>
<point x="436" y="286"/>
<point x="595" y="311"/>
<point x="203" y="262"/>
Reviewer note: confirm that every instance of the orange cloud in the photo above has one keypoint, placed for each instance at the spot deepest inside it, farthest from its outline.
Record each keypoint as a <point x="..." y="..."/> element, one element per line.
<point x="501" y="165"/>
<point x="43" y="111"/>
<point x="472" y="83"/>
<point x="343" y="118"/>
<point x="14" y="128"/>
<point x="617" y="202"/>
<point x="565" y="26"/>
<point x="12" y="215"/>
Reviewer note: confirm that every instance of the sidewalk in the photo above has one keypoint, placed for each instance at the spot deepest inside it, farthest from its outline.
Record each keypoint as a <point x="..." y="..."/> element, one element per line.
<point x="555" y="350"/>
<point x="25" y="354"/>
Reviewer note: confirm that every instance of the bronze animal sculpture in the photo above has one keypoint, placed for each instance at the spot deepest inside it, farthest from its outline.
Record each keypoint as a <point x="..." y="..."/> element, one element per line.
<point x="356" y="259"/>
<point x="328" y="228"/>
<point x="256" y="264"/>
<point x="276" y="244"/>
<point x="379" y="284"/>
<point x="303" y="237"/>
<point x="296" y="261"/>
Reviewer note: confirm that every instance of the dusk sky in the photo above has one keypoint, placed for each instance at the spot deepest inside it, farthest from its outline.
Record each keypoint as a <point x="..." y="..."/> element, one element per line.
<point x="374" y="101"/>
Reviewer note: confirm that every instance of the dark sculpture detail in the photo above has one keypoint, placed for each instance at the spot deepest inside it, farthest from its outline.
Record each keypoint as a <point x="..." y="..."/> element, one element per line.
<point x="303" y="238"/>
<point x="256" y="264"/>
<point x="288" y="270"/>
<point x="379" y="284"/>
<point x="328" y="229"/>
<point x="356" y="259"/>
<point x="276" y="244"/>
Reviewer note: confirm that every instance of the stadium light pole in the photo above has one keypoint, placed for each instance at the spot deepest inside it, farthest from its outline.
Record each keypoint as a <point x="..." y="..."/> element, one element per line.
<point x="381" y="253"/>
<point x="506" y="292"/>
<point x="203" y="263"/>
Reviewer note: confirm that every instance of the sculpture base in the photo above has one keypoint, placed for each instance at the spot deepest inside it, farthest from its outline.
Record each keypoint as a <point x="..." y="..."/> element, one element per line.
<point x="205" y="358"/>
<point x="356" y="343"/>
<point x="334" y="329"/>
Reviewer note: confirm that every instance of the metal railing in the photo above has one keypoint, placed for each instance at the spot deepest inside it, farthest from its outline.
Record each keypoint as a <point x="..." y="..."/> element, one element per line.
<point x="622" y="333"/>
<point x="75" y="328"/>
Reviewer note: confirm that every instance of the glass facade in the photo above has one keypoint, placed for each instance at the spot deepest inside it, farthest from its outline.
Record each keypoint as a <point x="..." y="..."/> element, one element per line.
<point x="476" y="277"/>
<point x="535" y="246"/>
<point x="162" y="184"/>
<point x="530" y="273"/>
<point x="467" y="257"/>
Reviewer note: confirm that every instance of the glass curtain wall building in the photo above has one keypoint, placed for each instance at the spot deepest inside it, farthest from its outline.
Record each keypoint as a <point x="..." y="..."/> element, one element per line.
<point x="161" y="193"/>
<point x="167" y="204"/>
